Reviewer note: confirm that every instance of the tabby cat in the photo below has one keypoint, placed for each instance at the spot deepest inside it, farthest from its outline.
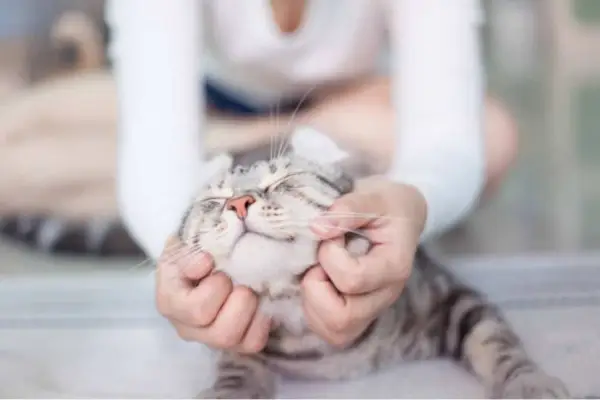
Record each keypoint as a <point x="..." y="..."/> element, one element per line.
<point x="100" y="237"/>
<point x="67" y="69"/>
<point x="254" y="221"/>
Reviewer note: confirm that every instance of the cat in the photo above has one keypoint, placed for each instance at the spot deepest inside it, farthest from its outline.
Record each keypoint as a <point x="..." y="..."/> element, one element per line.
<point x="253" y="220"/>
<point x="67" y="73"/>
<point x="99" y="237"/>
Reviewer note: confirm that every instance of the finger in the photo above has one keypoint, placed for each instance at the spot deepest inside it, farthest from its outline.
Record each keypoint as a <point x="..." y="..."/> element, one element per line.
<point x="342" y="312"/>
<point x="233" y="320"/>
<point x="353" y="210"/>
<point x="317" y="325"/>
<point x="320" y="294"/>
<point x="316" y="274"/>
<point x="336" y="338"/>
<point x="366" y="307"/>
<point x="199" y="307"/>
<point x="363" y="274"/>
<point x="180" y="261"/>
<point x="197" y="267"/>
<point x="258" y="333"/>
<point x="190" y="333"/>
<point x="170" y="284"/>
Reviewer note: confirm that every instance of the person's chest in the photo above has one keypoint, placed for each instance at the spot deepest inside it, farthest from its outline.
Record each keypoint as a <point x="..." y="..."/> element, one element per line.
<point x="246" y="50"/>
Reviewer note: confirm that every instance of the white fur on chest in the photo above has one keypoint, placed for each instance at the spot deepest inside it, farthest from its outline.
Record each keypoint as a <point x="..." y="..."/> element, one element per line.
<point x="264" y="264"/>
<point x="287" y="313"/>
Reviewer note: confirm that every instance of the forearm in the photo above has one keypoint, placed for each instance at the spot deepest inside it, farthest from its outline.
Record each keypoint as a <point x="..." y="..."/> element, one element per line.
<point x="438" y="92"/>
<point x="157" y="74"/>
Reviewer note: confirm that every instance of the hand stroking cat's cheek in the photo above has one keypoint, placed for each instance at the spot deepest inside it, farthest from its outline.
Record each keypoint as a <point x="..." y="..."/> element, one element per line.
<point x="197" y="266"/>
<point x="352" y="211"/>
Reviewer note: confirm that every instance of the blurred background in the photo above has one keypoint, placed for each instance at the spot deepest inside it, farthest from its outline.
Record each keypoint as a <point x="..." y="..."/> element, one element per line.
<point x="58" y="159"/>
<point x="57" y="150"/>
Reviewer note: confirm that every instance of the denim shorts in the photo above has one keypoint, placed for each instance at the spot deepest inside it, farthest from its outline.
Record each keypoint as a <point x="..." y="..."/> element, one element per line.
<point x="226" y="102"/>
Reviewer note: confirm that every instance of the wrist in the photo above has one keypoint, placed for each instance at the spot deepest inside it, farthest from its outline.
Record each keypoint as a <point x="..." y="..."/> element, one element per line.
<point x="406" y="200"/>
<point x="414" y="206"/>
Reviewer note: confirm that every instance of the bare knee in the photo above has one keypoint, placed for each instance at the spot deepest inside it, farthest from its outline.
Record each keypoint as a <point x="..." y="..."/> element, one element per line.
<point x="502" y="143"/>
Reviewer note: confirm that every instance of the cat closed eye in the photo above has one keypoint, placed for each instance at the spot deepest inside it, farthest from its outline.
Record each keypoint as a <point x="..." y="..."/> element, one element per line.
<point x="211" y="205"/>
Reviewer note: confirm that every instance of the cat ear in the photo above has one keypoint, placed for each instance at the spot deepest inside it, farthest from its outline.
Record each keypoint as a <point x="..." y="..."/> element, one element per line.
<point x="315" y="146"/>
<point x="218" y="165"/>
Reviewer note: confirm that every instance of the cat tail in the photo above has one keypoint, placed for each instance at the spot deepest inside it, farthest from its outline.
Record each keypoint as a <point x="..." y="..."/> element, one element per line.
<point x="100" y="237"/>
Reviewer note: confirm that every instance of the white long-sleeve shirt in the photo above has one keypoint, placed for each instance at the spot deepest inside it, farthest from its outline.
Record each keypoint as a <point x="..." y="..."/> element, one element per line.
<point x="162" y="49"/>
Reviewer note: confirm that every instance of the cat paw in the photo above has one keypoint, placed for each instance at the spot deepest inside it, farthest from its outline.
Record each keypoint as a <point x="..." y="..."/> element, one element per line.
<point x="532" y="385"/>
<point x="234" y="393"/>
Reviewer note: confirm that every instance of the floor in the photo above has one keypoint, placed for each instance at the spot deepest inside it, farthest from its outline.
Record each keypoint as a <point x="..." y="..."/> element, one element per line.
<point x="86" y="328"/>
<point x="96" y="334"/>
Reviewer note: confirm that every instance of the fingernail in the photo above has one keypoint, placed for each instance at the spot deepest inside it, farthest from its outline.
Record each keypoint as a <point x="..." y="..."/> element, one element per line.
<point x="191" y="262"/>
<point x="323" y="226"/>
<point x="201" y="258"/>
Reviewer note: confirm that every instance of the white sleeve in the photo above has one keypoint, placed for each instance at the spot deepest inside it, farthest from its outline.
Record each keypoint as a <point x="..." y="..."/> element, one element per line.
<point x="438" y="92"/>
<point x="156" y="65"/>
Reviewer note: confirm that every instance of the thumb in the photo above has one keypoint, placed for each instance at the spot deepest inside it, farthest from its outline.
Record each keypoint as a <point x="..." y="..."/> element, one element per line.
<point x="349" y="212"/>
<point x="187" y="262"/>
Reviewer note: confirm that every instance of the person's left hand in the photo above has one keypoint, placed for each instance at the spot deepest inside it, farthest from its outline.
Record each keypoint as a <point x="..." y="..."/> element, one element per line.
<point x="343" y="295"/>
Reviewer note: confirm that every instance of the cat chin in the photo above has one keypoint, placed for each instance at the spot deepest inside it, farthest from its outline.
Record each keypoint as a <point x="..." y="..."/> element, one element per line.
<point x="257" y="260"/>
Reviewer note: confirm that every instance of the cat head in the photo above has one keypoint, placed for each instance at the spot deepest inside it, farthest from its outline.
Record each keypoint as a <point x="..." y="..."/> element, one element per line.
<point x="259" y="215"/>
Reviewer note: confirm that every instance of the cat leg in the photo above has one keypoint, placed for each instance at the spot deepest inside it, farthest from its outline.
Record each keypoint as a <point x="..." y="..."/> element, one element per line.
<point x="241" y="377"/>
<point x="478" y="336"/>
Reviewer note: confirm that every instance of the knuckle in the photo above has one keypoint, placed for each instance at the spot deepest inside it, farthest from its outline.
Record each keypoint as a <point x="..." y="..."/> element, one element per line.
<point x="199" y="317"/>
<point x="163" y="304"/>
<point x="340" y="321"/>
<point x="185" y="334"/>
<point x="221" y="282"/>
<point x="338" y="341"/>
<point x="352" y="281"/>
<point x="246" y="296"/>
<point x="227" y="339"/>
<point x="402" y="268"/>
<point x="404" y="273"/>
<point x="252" y="346"/>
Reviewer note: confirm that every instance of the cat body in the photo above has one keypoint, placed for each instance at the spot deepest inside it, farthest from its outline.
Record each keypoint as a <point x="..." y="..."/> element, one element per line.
<point x="255" y="223"/>
<point x="100" y="237"/>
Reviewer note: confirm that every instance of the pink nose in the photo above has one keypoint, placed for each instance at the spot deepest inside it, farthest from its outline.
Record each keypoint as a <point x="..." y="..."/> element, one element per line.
<point x="240" y="205"/>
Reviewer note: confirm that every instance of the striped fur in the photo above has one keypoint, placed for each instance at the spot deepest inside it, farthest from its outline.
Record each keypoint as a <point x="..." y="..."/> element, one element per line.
<point x="435" y="316"/>
<point x="54" y="235"/>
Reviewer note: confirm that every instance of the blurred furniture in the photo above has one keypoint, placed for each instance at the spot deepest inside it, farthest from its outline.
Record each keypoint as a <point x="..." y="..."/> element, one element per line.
<point x="573" y="46"/>
<point x="574" y="41"/>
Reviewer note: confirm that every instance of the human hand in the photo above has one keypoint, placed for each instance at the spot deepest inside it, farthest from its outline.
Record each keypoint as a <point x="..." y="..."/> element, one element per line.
<point x="344" y="294"/>
<point x="204" y="306"/>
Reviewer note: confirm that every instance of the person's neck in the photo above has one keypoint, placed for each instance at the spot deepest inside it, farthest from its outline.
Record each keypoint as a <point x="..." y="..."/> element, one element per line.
<point x="288" y="14"/>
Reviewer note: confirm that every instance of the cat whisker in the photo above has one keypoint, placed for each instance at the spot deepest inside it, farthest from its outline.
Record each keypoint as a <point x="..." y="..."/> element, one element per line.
<point x="182" y="253"/>
<point x="358" y="215"/>
<point x="286" y="139"/>
<point x="276" y="133"/>
<point x="142" y="264"/>
<point x="307" y="223"/>
<point x="149" y="260"/>
<point x="344" y="230"/>
<point x="274" y="120"/>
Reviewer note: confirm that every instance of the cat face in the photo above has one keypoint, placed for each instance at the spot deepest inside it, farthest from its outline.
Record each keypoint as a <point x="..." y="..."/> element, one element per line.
<point x="255" y="220"/>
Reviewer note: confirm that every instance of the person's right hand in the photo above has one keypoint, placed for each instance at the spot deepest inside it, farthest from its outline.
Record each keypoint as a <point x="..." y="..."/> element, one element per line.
<point x="204" y="306"/>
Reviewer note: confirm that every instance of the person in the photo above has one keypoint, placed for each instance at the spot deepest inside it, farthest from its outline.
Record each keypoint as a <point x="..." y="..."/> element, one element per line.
<point x="451" y="144"/>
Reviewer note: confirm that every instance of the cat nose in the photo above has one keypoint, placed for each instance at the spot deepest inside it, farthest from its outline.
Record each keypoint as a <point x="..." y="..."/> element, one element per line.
<point x="240" y="205"/>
